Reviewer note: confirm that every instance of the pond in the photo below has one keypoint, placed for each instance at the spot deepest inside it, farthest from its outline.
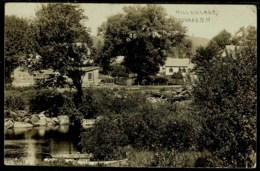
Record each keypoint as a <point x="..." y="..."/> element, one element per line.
<point x="31" y="145"/>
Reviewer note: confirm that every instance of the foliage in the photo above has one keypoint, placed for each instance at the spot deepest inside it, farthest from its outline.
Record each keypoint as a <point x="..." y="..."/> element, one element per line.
<point x="174" y="158"/>
<point x="143" y="35"/>
<point x="14" y="102"/>
<point x="105" y="141"/>
<point x="177" y="75"/>
<point x="17" y="42"/>
<point x="118" y="70"/>
<point x="214" y="48"/>
<point x="62" y="41"/>
<point x="96" y="102"/>
<point x="226" y="102"/>
<point x="148" y="126"/>
<point x="47" y="100"/>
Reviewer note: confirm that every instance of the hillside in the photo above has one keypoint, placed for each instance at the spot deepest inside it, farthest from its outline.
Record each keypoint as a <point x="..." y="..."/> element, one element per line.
<point x="96" y="39"/>
<point x="197" y="41"/>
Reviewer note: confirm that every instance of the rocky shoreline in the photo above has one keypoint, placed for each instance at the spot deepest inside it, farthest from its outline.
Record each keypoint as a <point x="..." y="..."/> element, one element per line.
<point x="22" y="119"/>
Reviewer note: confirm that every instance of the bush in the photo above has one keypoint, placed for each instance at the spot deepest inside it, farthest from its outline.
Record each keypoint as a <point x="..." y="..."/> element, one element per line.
<point x="226" y="100"/>
<point x="96" y="102"/>
<point x="14" y="102"/>
<point x="105" y="141"/>
<point x="47" y="100"/>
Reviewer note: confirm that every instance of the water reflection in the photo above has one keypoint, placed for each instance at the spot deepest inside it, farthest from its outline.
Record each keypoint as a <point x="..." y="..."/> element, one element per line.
<point x="32" y="144"/>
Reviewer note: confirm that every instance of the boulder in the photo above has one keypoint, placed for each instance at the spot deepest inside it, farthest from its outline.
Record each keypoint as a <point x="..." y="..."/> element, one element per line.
<point x="41" y="122"/>
<point x="26" y="120"/>
<point x="13" y="115"/>
<point x="55" y="121"/>
<point x="63" y="120"/>
<point x="22" y="125"/>
<point x="9" y="123"/>
<point x="42" y="115"/>
<point x="49" y="122"/>
<point x="34" y="119"/>
<point x="22" y="113"/>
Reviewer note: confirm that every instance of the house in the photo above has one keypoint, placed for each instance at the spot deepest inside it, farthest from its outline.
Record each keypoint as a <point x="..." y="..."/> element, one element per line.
<point x="23" y="78"/>
<point x="91" y="76"/>
<point x="229" y="50"/>
<point x="174" y="65"/>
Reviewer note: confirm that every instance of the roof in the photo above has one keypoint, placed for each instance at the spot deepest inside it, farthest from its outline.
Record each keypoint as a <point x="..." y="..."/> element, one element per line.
<point x="117" y="60"/>
<point x="229" y="49"/>
<point x="177" y="62"/>
<point x="89" y="68"/>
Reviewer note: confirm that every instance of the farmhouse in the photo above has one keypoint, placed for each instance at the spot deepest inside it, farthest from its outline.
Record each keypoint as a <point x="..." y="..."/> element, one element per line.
<point x="91" y="76"/>
<point x="174" y="65"/>
<point x="23" y="78"/>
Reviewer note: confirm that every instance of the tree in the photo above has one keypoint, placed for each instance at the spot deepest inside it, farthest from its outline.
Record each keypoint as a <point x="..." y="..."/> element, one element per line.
<point x="62" y="41"/>
<point x="17" y="40"/>
<point x="226" y="102"/>
<point x="143" y="35"/>
<point x="118" y="70"/>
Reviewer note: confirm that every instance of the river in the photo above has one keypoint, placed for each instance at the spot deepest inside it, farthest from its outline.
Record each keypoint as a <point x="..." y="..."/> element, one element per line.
<point x="28" y="146"/>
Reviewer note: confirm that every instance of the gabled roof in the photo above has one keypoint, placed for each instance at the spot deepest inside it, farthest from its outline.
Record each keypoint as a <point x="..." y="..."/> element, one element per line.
<point x="176" y="62"/>
<point x="229" y="49"/>
<point x="90" y="68"/>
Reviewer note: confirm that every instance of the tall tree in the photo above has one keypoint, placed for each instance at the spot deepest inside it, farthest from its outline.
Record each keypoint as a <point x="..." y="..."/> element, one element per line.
<point x="62" y="41"/>
<point x="214" y="48"/>
<point x="144" y="35"/>
<point x="17" y="40"/>
<point x="226" y="102"/>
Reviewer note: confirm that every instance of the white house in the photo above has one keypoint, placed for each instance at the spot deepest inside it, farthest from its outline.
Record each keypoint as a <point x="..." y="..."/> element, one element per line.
<point x="174" y="65"/>
<point x="23" y="78"/>
<point x="91" y="76"/>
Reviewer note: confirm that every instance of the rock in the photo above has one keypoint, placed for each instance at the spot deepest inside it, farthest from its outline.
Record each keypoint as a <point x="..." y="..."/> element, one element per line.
<point x="34" y="119"/>
<point x="55" y="121"/>
<point x="42" y="115"/>
<point x="63" y="120"/>
<point x="22" y="113"/>
<point x="26" y="120"/>
<point x="13" y="115"/>
<point x="22" y="125"/>
<point x="9" y="123"/>
<point x="41" y="122"/>
<point x="48" y="120"/>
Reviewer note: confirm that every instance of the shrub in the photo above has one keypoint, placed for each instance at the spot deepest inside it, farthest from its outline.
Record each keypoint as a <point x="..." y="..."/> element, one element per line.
<point x="175" y="158"/>
<point x="96" y="102"/>
<point x="14" y="102"/>
<point x="105" y="140"/>
<point x="225" y="98"/>
<point x="47" y="100"/>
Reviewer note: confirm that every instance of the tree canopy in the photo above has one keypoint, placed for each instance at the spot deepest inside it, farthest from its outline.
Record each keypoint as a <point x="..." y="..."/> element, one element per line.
<point x="62" y="41"/>
<point x="214" y="48"/>
<point x="226" y="102"/>
<point x="144" y="35"/>
<point x="17" y="42"/>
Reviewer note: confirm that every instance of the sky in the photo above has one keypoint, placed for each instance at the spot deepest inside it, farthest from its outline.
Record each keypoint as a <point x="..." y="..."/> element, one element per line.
<point x="201" y="20"/>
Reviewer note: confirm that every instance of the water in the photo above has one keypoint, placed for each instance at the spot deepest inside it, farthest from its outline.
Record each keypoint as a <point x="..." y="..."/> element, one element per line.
<point x="27" y="146"/>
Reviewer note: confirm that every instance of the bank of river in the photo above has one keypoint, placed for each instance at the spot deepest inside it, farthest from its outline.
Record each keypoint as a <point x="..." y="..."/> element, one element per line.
<point x="28" y="146"/>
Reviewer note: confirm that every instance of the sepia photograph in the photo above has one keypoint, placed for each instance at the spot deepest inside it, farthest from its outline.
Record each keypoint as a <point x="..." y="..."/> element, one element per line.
<point x="130" y="85"/>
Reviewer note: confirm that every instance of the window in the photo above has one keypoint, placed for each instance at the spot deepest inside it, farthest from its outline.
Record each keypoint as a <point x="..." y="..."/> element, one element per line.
<point x="170" y="70"/>
<point x="183" y="70"/>
<point x="89" y="76"/>
<point x="179" y="69"/>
